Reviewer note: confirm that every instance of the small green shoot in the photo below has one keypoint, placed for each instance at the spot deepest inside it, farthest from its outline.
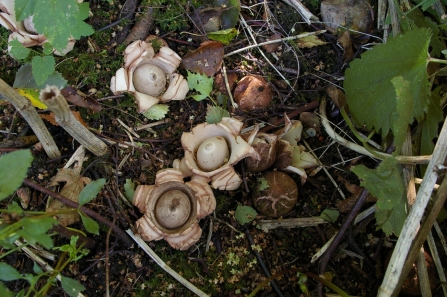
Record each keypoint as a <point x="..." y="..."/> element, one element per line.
<point x="202" y="84"/>
<point x="17" y="164"/>
<point x="214" y="114"/>
<point x="245" y="214"/>
<point x="88" y="194"/>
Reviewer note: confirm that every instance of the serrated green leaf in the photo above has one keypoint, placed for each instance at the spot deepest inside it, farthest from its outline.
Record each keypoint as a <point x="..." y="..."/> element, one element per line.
<point x="386" y="183"/>
<point x="13" y="169"/>
<point x="330" y="215"/>
<point x="91" y="191"/>
<point x="8" y="273"/>
<point x="129" y="189"/>
<point x="214" y="114"/>
<point x="245" y="214"/>
<point x="201" y="84"/>
<point x="47" y="48"/>
<point x="370" y="93"/>
<point x="156" y="112"/>
<point x="90" y="225"/>
<point x="34" y="230"/>
<point x="71" y="286"/>
<point x="404" y="110"/>
<point x="43" y="67"/>
<point x="224" y="36"/>
<point x="17" y="50"/>
<point x="5" y="292"/>
<point x="430" y="124"/>
<point x="66" y="21"/>
<point x="24" y="9"/>
<point x="24" y="79"/>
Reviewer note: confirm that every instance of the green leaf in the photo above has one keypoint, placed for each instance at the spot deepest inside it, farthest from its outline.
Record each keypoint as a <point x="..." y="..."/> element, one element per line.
<point x="66" y="21"/>
<point x="4" y="292"/>
<point x="330" y="215"/>
<point x="17" y="50"/>
<point x="71" y="286"/>
<point x="386" y="183"/>
<point x="24" y="9"/>
<point x="90" y="225"/>
<point x="156" y="112"/>
<point x="36" y="268"/>
<point x="214" y="114"/>
<point x="8" y="273"/>
<point x="263" y="184"/>
<point x="200" y="83"/>
<point x="129" y="189"/>
<point x="370" y="93"/>
<point x="430" y="124"/>
<point x="404" y="110"/>
<point x="34" y="230"/>
<point x="91" y="191"/>
<point x="224" y="36"/>
<point x="245" y="214"/>
<point x="13" y="169"/>
<point x="24" y="79"/>
<point x="43" y="67"/>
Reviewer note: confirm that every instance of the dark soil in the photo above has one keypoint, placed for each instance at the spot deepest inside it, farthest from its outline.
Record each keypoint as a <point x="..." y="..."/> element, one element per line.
<point x="231" y="267"/>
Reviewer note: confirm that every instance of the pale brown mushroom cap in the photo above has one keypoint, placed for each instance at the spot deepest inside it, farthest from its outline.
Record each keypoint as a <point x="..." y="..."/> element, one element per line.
<point x="252" y="93"/>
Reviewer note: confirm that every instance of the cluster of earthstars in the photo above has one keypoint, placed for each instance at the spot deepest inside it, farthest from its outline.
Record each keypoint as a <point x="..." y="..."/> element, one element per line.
<point x="172" y="207"/>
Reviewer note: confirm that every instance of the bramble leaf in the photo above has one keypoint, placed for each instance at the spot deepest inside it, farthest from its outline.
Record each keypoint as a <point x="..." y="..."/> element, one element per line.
<point x="17" y="50"/>
<point x="404" y="110"/>
<point x="34" y="230"/>
<point x="43" y="67"/>
<point x="201" y="83"/>
<point x="13" y="169"/>
<point x="386" y="183"/>
<point x="156" y="112"/>
<point x="245" y="214"/>
<point x="430" y="124"/>
<point x="371" y="95"/>
<point x="91" y="191"/>
<point x="214" y="114"/>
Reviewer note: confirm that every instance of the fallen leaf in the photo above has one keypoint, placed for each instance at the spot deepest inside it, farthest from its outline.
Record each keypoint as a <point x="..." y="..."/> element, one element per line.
<point x="50" y="118"/>
<point x="272" y="47"/>
<point x="74" y="184"/>
<point x="346" y="43"/>
<point x="207" y="59"/>
<point x="309" y="41"/>
<point x="72" y="96"/>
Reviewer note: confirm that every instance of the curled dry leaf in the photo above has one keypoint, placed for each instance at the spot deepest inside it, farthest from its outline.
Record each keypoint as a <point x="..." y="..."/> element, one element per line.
<point x="74" y="184"/>
<point x="272" y="47"/>
<point x="73" y="97"/>
<point x="207" y="59"/>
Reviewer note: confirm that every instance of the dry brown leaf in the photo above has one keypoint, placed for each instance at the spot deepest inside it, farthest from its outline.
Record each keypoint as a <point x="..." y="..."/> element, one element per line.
<point x="309" y="41"/>
<point x="310" y="119"/>
<point x="337" y="96"/>
<point x="272" y="47"/>
<point x="50" y="118"/>
<point x="74" y="184"/>
<point x="72" y="96"/>
<point x="346" y="43"/>
<point x="207" y="59"/>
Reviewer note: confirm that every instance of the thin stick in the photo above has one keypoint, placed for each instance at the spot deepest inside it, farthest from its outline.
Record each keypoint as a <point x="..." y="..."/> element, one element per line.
<point x="360" y="149"/>
<point x="437" y="261"/>
<point x="163" y="265"/>
<point x="275" y="41"/>
<point x="30" y="115"/>
<point x="291" y="223"/>
<point x="411" y="225"/>
<point x="56" y="102"/>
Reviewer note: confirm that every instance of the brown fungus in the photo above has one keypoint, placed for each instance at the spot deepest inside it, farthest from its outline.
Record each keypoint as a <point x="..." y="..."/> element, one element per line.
<point x="276" y="195"/>
<point x="252" y="93"/>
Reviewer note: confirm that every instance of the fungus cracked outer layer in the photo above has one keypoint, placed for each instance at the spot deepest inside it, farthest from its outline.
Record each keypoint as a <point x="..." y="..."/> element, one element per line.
<point x="279" y="197"/>
<point x="172" y="208"/>
<point x="146" y="74"/>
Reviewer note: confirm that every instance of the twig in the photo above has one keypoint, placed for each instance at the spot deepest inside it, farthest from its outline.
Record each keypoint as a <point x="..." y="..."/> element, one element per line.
<point x="30" y="115"/>
<point x="360" y="149"/>
<point x="163" y="265"/>
<point x="86" y="210"/>
<point x="437" y="261"/>
<point x="412" y="222"/>
<point x="291" y="223"/>
<point x="56" y="102"/>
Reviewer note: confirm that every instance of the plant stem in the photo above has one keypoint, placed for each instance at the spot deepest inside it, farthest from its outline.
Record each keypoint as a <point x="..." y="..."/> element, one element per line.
<point x="440" y="61"/>
<point x="56" y="102"/>
<point x="30" y="115"/>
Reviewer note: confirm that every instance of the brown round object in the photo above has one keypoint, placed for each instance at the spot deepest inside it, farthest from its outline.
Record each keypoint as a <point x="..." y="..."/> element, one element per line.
<point x="149" y="79"/>
<point x="252" y="93"/>
<point x="172" y="209"/>
<point x="280" y="196"/>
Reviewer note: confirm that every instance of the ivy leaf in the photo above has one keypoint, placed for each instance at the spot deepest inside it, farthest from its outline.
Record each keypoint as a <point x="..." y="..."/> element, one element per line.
<point x="224" y="36"/>
<point x="17" y="50"/>
<point x="91" y="191"/>
<point x="386" y="183"/>
<point x="200" y="83"/>
<point x="404" y="110"/>
<point x="371" y="95"/>
<point x="43" y="67"/>
<point x="214" y="114"/>
<point x="15" y="166"/>
<point x="245" y="214"/>
<point x="156" y="112"/>
<point x="71" y="286"/>
<point x="90" y="225"/>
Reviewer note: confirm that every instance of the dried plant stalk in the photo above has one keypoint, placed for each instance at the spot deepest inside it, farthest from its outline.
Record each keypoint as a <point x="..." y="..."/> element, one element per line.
<point x="56" y="102"/>
<point x="291" y="223"/>
<point x="30" y="115"/>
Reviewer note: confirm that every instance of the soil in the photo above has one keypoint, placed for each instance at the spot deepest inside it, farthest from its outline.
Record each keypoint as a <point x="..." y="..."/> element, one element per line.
<point x="231" y="266"/>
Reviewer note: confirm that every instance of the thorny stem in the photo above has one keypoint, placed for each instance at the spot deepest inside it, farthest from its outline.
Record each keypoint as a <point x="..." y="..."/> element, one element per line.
<point x="86" y="210"/>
